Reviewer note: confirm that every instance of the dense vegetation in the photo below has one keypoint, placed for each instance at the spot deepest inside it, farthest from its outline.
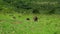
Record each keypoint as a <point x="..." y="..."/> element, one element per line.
<point x="30" y="6"/>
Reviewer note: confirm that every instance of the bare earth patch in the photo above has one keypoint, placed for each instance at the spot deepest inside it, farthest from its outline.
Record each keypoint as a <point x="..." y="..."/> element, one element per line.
<point x="17" y="22"/>
<point x="2" y="20"/>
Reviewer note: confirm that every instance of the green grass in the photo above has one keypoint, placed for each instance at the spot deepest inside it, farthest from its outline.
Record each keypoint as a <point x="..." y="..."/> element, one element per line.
<point x="46" y="24"/>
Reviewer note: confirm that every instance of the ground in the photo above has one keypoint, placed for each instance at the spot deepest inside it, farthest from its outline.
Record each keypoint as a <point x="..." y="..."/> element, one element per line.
<point x="17" y="24"/>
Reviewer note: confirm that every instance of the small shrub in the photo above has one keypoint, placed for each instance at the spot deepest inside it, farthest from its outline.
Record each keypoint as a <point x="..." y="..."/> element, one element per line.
<point x="8" y="1"/>
<point x="19" y="16"/>
<point x="55" y="32"/>
<point x="14" y="17"/>
<point x="10" y="15"/>
<point x="35" y="11"/>
<point x="52" y="11"/>
<point x="26" y="7"/>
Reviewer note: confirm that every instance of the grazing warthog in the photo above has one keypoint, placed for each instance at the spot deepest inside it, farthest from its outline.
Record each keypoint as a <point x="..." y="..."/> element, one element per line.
<point x="27" y="19"/>
<point x="35" y="18"/>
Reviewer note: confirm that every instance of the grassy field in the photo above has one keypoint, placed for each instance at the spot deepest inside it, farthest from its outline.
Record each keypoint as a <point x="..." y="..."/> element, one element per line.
<point x="46" y="24"/>
<point x="12" y="22"/>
